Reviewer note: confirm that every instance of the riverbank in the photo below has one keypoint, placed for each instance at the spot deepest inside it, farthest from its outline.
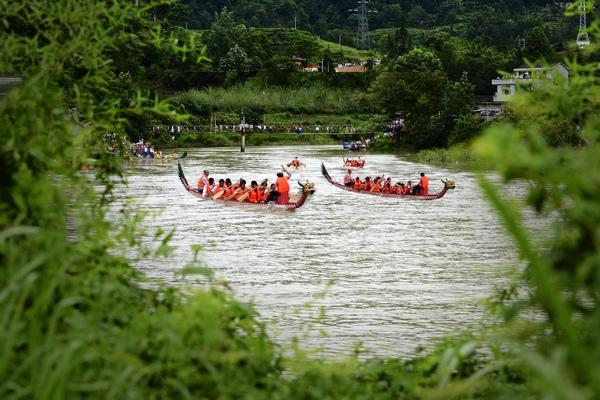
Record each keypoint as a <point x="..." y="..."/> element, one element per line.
<point x="233" y="139"/>
<point x="459" y="156"/>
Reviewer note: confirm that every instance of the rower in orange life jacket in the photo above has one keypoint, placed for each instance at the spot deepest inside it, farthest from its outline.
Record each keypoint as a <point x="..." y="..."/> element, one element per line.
<point x="424" y="184"/>
<point x="368" y="185"/>
<point x="228" y="189"/>
<point x="203" y="180"/>
<point x="220" y="187"/>
<point x="295" y="163"/>
<point x="387" y="185"/>
<point x="357" y="183"/>
<point x="208" y="188"/>
<point x="255" y="194"/>
<point x="283" y="188"/>
<point x="241" y="190"/>
<point x="376" y="185"/>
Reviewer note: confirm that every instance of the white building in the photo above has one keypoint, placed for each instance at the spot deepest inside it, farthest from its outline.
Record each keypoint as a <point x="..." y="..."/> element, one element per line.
<point x="506" y="87"/>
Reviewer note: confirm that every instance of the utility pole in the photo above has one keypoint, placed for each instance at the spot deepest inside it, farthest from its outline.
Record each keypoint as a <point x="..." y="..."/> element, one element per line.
<point x="295" y="24"/>
<point x="243" y="146"/>
<point x="363" y="35"/>
<point x="582" y="37"/>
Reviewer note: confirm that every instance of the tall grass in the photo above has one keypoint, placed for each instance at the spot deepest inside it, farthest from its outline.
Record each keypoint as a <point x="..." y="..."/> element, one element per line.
<point x="310" y="100"/>
<point x="461" y="155"/>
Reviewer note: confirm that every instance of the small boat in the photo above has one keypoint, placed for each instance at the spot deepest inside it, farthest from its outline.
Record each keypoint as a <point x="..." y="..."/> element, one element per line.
<point x="354" y="146"/>
<point x="307" y="191"/>
<point x="448" y="184"/>
<point x="358" y="163"/>
<point x="296" y="164"/>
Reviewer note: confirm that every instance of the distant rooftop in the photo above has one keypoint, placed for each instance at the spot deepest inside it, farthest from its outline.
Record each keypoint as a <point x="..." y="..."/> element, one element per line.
<point x="6" y="83"/>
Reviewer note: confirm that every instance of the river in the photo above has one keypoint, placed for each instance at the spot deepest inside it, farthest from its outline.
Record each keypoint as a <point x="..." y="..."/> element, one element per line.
<point x="402" y="273"/>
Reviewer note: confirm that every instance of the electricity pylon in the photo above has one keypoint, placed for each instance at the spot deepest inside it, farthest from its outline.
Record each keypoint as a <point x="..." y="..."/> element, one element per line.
<point x="582" y="37"/>
<point x="364" y="37"/>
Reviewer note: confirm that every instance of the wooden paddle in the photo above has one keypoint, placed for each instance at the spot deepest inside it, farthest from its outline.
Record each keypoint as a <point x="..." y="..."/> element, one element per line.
<point x="285" y="170"/>
<point x="235" y="192"/>
<point x="218" y="195"/>
<point x="243" y="197"/>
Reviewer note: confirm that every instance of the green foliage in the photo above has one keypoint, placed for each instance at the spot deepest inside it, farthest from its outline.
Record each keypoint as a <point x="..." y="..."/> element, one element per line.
<point x="461" y="155"/>
<point x="537" y="45"/>
<point x="467" y="127"/>
<point x="558" y="349"/>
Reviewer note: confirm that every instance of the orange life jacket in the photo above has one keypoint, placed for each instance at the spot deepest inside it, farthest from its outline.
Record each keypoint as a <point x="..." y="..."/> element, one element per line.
<point x="357" y="185"/>
<point x="282" y="185"/>
<point x="376" y="187"/>
<point x="240" y="194"/>
<point x="368" y="186"/>
<point x="219" y="189"/>
<point x="228" y="191"/>
<point x="208" y="189"/>
<point x="254" y="196"/>
<point x="203" y="180"/>
<point x="424" y="182"/>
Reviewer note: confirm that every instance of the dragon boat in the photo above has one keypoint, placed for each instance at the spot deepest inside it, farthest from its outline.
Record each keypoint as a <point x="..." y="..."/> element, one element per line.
<point x="448" y="184"/>
<point x="307" y="191"/>
<point x="360" y="164"/>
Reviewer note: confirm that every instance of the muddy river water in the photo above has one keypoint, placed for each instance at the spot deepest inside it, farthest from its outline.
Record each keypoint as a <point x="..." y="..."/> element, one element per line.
<point x="395" y="274"/>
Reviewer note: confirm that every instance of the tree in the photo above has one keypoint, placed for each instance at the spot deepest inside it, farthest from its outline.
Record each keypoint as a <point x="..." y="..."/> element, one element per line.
<point x="236" y="60"/>
<point x="414" y="85"/>
<point x="223" y="35"/>
<point x="537" y="45"/>
<point x="398" y="43"/>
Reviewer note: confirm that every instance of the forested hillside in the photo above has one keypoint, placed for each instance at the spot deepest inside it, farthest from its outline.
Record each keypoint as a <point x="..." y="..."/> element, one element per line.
<point x="490" y="22"/>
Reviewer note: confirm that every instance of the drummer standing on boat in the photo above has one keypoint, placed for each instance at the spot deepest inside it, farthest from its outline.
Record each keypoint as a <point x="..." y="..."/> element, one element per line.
<point x="424" y="184"/>
<point x="283" y="188"/>
<point x="348" y="181"/>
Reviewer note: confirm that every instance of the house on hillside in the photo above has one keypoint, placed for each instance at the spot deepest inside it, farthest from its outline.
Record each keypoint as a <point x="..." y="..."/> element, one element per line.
<point x="7" y="83"/>
<point x="298" y="61"/>
<point x="351" y="67"/>
<point x="506" y="86"/>
<point x="311" y="68"/>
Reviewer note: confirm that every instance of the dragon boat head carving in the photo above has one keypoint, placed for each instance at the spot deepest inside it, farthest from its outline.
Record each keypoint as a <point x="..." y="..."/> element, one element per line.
<point x="307" y="187"/>
<point x="449" y="184"/>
